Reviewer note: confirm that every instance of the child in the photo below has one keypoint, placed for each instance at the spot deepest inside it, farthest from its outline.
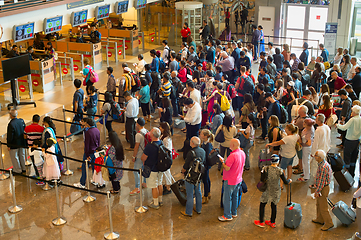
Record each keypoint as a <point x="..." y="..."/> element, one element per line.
<point x="144" y="98"/>
<point x="264" y="62"/>
<point x="51" y="166"/>
<point x="38" y="160"/>
<point x="111" y="85"/>
<point x="97" y="175"/>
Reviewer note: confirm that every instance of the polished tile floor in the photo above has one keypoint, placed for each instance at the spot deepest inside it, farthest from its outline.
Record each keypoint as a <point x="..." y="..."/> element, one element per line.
<point x="90" y="220"/>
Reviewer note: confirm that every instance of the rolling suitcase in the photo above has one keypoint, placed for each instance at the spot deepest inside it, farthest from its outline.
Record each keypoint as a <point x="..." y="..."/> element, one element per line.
<point x="336" y="161"/>
<point x="264" y="158"/>
<point x="180" y="192"/>
<point x="344" y="179"/>
<point x="343" y="212"/>
<point x="293" y="212"/>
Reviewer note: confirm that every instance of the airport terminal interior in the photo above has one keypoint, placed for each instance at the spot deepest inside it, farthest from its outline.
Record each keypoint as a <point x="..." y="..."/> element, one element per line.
<point x="124" y="30"/>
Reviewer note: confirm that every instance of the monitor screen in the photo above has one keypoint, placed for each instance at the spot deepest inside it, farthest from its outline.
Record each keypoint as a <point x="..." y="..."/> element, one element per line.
<point x="23" y="32"/>
<point x="140" y="4"/>
<point x="121" y="7"/>
<point x="102" y="12"/>
<point x="53" y="24"/>
<point x="79" y="18"/>
<point x="16" y="67"/>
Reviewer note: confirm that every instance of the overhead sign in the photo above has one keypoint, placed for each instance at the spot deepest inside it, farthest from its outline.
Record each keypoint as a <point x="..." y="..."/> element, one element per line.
<point x="23" y="32"/>
<point x="121" y="7"/>
<point x="82" y="3"/>
<point x="53" y="24"/>
<point x="79" y="18"/>
<point x="330" y="38"/>
<point x="140" y="4"/>
<point x="102" y="12"/>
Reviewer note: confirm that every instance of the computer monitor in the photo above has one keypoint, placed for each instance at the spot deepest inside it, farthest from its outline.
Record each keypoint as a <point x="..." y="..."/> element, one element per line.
<point x="102" y="11"/>
<point x="23" y="32"/>
<point x="121" y="7"/>
<point x="140" y="4"/>
<point x="53" y="24"/>
<point x="16" y="67"/>
<point x="79" y="18"/>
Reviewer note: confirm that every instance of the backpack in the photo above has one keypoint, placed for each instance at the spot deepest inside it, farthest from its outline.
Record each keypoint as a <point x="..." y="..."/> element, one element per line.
<point x="168" y="56"/>
<point x="164" y="158"/>
<point x="136" y="79"/>
<point x="231" y="90"/>
<point x="284" y="115"/>
<point x="189" y="71"/>
<point x="225" y="105"/>
<point x="194" y="173"/>
<point x="155" y="81"/>
<point x="146" y="137"/>
<point x="116" y="111"/>
<point x="93" y="76"/>
<point x="162" y="64"/>
<point x="305" y="79"/>
<point x="248" y="86"/>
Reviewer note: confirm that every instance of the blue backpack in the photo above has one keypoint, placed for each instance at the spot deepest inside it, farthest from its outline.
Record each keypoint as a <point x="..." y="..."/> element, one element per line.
<point x="162" y="64"/>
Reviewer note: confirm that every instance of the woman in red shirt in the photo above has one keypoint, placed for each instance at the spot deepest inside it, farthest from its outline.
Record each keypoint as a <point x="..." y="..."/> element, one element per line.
<point x="182" y="74"/>
<point x="326" y="108"/>
<point x="185" y="32"/>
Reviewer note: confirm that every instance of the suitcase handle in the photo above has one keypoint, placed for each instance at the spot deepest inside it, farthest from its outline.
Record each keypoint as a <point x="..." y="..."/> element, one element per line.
<point x="330" y="203"/>
<point x="289" y="193"/>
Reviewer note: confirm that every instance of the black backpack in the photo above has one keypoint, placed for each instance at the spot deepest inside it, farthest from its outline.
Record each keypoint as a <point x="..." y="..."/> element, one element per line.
<point x="155" y="81"/>
<point x="164" y="158"/>
<point x="116" y="112"/>
<point x="284" y="115"/>
<point x="248" y="86"/>
<point x="194" y="173"/>
<point x="169" y="51"/>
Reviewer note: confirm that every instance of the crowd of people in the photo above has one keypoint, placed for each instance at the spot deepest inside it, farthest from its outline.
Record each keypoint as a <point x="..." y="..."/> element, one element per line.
<point x="294" y="101"/>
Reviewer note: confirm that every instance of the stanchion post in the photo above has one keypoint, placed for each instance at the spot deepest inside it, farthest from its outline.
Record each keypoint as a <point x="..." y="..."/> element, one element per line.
<point x="88" y="198"/>
<point x="15" y="208"/>
<point x="27" y="162"/>
<point x="68" y="171"/>
<point x="104" y="129"/>
<point x="106" y="49"/>
<point x="111" y="234"/>
<point x="141" y="208"/>
<point x="3" y="175"/>
<point x="64" y="120"/>
<point x="59" y="220"/>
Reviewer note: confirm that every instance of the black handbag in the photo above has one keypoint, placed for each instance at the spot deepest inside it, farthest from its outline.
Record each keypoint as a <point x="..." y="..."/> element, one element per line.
<point x="220" y="136"/>
<point x="262" y="185"/>
<point x="146" y="171"/>
<point x="212" y="158"/>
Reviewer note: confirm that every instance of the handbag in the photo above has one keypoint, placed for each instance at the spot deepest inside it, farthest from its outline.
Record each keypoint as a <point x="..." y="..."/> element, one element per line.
<point x="75" y="126"/>
<point x="331" y="120"/>
<point x="212" y="158"/>
<point x="174" y="153"/>
<point x="262" y="185"/>
<point x="298" y="146"/>
<point x="243" y="140"/>
<point x="146" y="171"/>
<point x="105" y="173"/>
<point x="220" y="136"/>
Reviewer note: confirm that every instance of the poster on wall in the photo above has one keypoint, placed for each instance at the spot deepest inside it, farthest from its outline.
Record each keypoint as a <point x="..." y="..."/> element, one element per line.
<point x="330" y="38"/>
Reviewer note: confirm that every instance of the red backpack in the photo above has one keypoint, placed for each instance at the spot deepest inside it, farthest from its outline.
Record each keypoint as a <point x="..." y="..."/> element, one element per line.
<point x="136" y="78"/>
<point x="231" y="90"/>
<point x="147" y="138"/>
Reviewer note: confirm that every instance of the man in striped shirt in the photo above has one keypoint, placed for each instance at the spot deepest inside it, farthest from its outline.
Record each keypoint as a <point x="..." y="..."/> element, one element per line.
<point x="166" y="87"/>
<point x="323" y="180"/>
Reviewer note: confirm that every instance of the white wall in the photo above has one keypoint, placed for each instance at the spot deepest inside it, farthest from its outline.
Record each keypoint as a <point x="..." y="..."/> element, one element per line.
<point x="39" y="15"/>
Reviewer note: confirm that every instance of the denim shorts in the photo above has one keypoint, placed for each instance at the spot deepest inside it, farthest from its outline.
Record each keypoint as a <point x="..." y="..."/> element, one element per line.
<point x="285" y="162"/>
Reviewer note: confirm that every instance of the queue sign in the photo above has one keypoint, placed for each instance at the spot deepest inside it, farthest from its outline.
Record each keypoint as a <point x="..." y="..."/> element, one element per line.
<point x="53" y="24"/>
<point x="23" y="32"/>
<point x="79" y="18"/>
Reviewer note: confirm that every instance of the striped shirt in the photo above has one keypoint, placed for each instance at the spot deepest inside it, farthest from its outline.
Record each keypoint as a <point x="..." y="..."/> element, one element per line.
<point x="323" y="176"/>
<point x="166" y="89"/>
<point x="33" y="132"/>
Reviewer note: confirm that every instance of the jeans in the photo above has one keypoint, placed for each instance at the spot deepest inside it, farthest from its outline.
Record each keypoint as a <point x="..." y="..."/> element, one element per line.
<point x="115" y="184"/>
<point x="264" y="127"/>
<point x="175" y="107"/>
<point x="192" y="130"/>
<point x="240" y="101"/>
<point x="108" y="125"/>
<point x="138" y="164"/>
<point x="350" y="154"/>
<point x="83" y="168"/>
<point x="145" y="109"/>
<point x="91" y="111"/>
<point x="273" y="213"/>
<point x="230" y="199"/>
<point x="246" y="151"/>
<point x="130" y="131"/>
<point x="17" y="157"/>
<point x="206" y="181"/>
<point x="190" y="190"/>
<point x="255" y="53"/>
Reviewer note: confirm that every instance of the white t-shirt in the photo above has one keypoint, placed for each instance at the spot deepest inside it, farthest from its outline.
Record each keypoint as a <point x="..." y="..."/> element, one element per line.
<point x="352" y="71"/>
<point x="251" y="132"/>
<point x="140" y="139"/>
<point x="288" y="150"/>
<point x="196" y="96"/>
<point x="38" y="156"/>
<point x="167" y="142"/>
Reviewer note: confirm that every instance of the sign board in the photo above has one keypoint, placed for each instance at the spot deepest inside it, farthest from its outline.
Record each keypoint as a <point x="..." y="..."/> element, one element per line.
<point x="121" y="7"/>
<point x="79" y="18"/>
<point x="330" y="38"/>
<point x="23" y="32"/>
<point x="140" y="4"/>
<point x="102" y="12"/>
<point x="82" y="3"/>
<point x="53" y="24"/>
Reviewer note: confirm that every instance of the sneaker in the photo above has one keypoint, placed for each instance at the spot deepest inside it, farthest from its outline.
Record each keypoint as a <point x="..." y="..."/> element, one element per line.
<point x="160" y="204"/>
<point x="94" y="183"/>
<point x="234" y="216"/>
<point x="152" y="205"/>
<point x="78" y="185"/>
<point x="157" y="120"/>
<point x="259" y="224"/>
<point x="273" y="225"/>
<point x="134" y="192"/>
<point x="184" y="214"/>
<point x="123" y="133"/>
<point x="101" y="186"/>
<point x="166" y="192"/>
<point x="224" y="219"/>
<point x="40" y="183"/>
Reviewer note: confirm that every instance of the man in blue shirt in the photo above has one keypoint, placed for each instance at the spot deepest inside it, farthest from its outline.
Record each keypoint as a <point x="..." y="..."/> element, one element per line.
<point x="324" y="53"/>
<point x="304" y="54"/>
<point x="298" y="83"/>
<point x="256" y="36"/>
<point x="78" y="100"/>
<point x="148" y="75"/>
<point x="236" y="54"/>
<point x="274" y="107"/>
<point x="244" y="60"/>
<point x="155" y="62"/>
<point x="263" y="75"/>
<point x="211" y="52"/>
<point x="219" y="73"/>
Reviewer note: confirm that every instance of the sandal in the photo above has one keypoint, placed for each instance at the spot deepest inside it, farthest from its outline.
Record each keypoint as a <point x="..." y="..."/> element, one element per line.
<point x="296" y="167"/>
<point x="301" y="179"/>
<point x="114" y="192"/>
<point x="298" y="171"/>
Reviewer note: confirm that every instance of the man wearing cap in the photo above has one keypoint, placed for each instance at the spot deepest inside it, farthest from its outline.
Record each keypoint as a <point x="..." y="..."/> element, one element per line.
<point x="140" y="140"/>
<point x="232" y="179"/>
<point x="322" y="182"/>
<point x="352" y="141"/>
<point x="193" y="117"/>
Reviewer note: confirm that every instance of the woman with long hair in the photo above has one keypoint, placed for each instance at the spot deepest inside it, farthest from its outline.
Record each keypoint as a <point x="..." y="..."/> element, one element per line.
<point x="249" y="135"/>
<point x="337" y="59"/>
<point x="216" y="118"/>
<point x="167" y="141"/>
<point x="274" y="132"/>
<point x="345" y="66"/>
<point x="166" y="111"/>
<point x="92" y="102"/>
<point x="209" y="66"/>
<point x="316" y="77"/>
<point x="280" y="91"/>
<point x="247" y="108"/>
<point x="326" y="108"/>
<point x="307" y="136"/>
<point x="207" y="139"/>
<point x="314" y="99"/>
<point x="106" y="109"/>
<point x="115" y="158"/>
<point x="286" y="52"/>
<point x="287" y="66"/>
<point x="50" y="132"/>
<point x="325" y="90"/>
